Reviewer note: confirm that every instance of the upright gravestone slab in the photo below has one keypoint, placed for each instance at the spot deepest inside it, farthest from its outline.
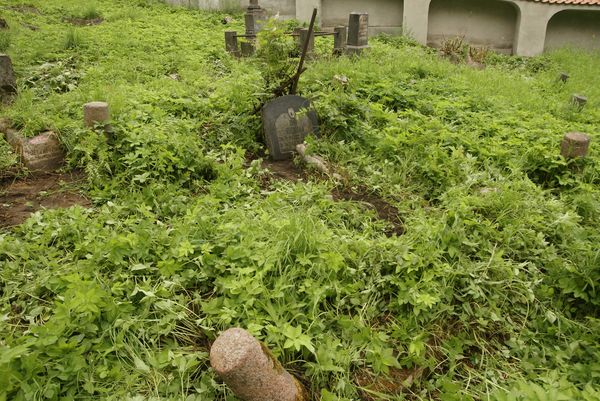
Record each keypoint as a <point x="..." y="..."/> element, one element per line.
<point x="358" y="33"/>
<point x="8" y="84"/>
<point x="340" y="40"/>
<point x="287" y="121"/>
<point x="302" y="38"/>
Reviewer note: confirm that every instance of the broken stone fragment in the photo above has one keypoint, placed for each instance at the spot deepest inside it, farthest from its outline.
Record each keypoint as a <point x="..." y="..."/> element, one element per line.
<point x="574" y="145"/>
<point x="42" y="153"/>
<point x="251" y="371"/>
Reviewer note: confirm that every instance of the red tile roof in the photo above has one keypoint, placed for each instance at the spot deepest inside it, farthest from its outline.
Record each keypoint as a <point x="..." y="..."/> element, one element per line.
<point x="573" y="2"/>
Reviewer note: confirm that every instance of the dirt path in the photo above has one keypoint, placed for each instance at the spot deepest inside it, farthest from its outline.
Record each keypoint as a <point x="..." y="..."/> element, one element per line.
<point x="20" y="198"/>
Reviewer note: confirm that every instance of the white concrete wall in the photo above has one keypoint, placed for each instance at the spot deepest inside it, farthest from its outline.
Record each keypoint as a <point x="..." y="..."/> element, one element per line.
<point x="384" y="15"/>
<point x="574" y="28"/>
<point x="490" y="23"/>
<point x="207" y="4"/>
<point x="285" y="8"/>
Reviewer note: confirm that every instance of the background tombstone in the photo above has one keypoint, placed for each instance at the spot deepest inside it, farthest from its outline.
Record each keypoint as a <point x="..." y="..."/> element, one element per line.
<point x="287" y="121"/>
<point x="303" y="36"/>
<point x="579" y="101"/>
<point x="358" y="33"/>
<point x="575" y="145"/>
<point x="231" y="43"/>
<point x="340" y="40"/>
<point x="8" y="83"/>
<point x="563" y="77"/>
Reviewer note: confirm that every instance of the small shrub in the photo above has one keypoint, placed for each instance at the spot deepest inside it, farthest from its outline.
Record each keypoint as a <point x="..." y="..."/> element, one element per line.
<point x="453" y="48"/>
<point x="73" y="39"/>
<point x="91" y="13"/>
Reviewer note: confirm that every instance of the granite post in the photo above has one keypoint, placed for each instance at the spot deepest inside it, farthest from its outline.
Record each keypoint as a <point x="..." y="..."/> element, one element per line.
<point x="96" y="113"/>
<point x="251" y="371"/>
<point x="575" y="145"/>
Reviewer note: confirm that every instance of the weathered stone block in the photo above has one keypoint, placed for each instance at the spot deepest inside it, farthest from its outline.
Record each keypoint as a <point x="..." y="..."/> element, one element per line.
<point x="574" y="145"/>
<point x="42" y="153"/>
<point x="96" y="113"/>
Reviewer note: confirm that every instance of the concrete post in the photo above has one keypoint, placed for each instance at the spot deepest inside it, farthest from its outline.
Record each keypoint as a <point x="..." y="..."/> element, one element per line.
<point x="249" y="369"/>
<point x="415" y="22"/>
<point x="340" y="40"/>
<point x="231" y="43"/>
<point x="303" y="38"/>
<point x="96" y="113"/>
<point x="574" y="145"/>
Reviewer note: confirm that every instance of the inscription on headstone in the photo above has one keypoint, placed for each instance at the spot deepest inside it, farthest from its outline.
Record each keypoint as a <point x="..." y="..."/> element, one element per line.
<point x="287" y="121"/>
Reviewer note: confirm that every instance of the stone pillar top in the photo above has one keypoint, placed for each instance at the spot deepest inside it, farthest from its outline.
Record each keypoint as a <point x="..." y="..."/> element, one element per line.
<point x="232" y="349"/>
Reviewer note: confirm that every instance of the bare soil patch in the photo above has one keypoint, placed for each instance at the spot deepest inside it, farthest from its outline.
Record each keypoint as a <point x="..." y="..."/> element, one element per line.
<point x="397" y="382"/>
<point x="19" y="199"/>
<point x="85" y="22"/>
<point x="284" y="170"/>
<point x="25" y="8"/>
<point x="384" y="210"/>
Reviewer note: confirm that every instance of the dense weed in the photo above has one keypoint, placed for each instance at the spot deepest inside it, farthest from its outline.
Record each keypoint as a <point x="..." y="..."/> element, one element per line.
<point x="491" y="293"/>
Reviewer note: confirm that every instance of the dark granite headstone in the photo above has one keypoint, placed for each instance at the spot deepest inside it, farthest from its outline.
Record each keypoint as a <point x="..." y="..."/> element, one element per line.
<point x="358" y="33"/>
<point x="287" y="121"/>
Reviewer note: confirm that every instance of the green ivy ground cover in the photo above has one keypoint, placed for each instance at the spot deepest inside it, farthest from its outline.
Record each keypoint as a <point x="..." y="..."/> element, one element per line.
<point x="490" y="294"/>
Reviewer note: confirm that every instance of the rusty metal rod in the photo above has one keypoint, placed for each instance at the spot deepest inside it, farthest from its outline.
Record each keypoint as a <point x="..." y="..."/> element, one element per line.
<point x="311" y="29"/>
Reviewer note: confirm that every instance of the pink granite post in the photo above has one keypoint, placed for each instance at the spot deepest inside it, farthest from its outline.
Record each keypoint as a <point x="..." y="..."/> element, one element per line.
<point x="249" y="369"/>
<point x="574" y="145"/>
<point x="96" y="113"/>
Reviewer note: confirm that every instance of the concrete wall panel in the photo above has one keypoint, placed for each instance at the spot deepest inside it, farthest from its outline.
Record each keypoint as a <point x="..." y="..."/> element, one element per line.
<point x="490" y="23"/>
<point x="384" y="15"/>
<point x="574" y="28"/>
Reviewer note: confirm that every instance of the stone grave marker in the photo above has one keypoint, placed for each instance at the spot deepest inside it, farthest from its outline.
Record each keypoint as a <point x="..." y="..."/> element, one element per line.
<point x="340" y="40"/>
<point x="575" y="145"/>
<point x="287" y="121"/>
<point x="579" y="101"/>
<point x="42" y="153"/>
<point x="358" y="33"/>
<point x="8" y="83"/>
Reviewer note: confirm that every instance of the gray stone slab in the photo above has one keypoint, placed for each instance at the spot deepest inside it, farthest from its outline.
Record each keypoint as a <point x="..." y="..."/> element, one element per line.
<point x="287" y="121"/>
